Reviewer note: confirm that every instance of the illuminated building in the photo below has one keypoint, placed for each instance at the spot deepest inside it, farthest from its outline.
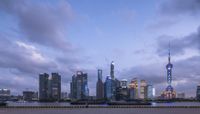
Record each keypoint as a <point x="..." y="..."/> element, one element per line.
<point x="169" y="92"/>
<point x="143" y="89"/>
<point x="133" y="89"/>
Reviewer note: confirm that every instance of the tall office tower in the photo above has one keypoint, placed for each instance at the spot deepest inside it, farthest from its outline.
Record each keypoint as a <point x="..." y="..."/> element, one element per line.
<point x="143" y="89"/>
<point x="79" y="86"/>
<point x="112" y="70"/>
<point x="55" y="86"/>
<point x="122" y="92"/>
<point x="133" y="88"/>
<point x="169" y="92"/>
<point x="43" y="87"/>
<point x="198" y="93"/>
<point x="108" y="92"/>
<point x="150" y="94"/>
<point x="99" y="86"/>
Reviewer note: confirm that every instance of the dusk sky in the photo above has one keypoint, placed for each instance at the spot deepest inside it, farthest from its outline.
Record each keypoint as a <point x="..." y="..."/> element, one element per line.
<point x="65" y="36"/>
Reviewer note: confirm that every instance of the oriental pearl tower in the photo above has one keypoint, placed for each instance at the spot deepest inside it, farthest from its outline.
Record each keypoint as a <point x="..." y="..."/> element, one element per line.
<point x="169" y="92"/>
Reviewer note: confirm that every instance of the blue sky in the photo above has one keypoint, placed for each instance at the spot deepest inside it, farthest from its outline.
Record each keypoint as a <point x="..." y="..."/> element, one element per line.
<point x="69" y="35"/>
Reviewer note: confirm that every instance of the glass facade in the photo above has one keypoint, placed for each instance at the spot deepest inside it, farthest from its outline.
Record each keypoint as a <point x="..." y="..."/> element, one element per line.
<point x="79" y="86"/>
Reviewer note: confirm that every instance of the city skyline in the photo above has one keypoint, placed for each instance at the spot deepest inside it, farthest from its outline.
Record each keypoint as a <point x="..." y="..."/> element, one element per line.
<point x="71" y="35"/>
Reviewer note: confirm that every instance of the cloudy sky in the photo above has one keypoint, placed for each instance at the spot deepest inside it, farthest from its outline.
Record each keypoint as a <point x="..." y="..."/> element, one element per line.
<point x="64" y="36"/>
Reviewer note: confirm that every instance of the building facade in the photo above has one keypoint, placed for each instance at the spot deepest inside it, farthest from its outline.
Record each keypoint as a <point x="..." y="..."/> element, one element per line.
<point x="108" y="92"/>
<point x="198" y="93"/>
<point x="29" y="95"/>
<point x="133" y="89"/>
<point x="55" y="86"/>
<point x="150" y="90"/>
<point x="79" y="86"/>
<point x="43" y="87"/>
<point x="49" y="87"/>
<point x="99" y="86"/>
<point x="143" y="89"/>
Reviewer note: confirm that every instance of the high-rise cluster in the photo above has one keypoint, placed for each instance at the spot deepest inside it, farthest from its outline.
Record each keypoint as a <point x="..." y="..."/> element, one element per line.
<point x="49" y="87"/>
<point x="114" y="89"/>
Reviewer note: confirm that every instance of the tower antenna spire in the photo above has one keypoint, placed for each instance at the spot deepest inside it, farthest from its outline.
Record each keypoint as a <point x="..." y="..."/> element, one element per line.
<point x="169" y="53"/>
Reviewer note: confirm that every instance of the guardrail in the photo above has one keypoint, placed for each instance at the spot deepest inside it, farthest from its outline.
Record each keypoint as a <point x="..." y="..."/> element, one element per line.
<point x="92" y="106"/>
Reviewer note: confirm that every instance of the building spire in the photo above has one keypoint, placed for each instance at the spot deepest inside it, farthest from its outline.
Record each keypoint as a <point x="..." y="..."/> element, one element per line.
<point x="169" y="54"/>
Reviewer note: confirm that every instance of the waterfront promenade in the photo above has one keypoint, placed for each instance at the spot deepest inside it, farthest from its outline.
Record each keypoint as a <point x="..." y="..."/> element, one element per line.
<point x="101" y="110"/>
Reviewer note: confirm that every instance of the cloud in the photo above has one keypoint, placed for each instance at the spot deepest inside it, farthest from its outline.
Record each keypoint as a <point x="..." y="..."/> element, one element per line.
<point x="41" y="34"/>
<point x="44" y="24"/>
<point x="21" y="63"/>
<point x="23" y="57"/>
<point x="179" y="45"/>
<point x="179" y="7"/>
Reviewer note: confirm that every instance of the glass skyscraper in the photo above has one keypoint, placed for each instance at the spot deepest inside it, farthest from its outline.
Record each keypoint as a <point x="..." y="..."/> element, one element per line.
<point x="49" y="87"/>
<point x="43" y="87"/>
<point x="108" y="88"/>
<point x="79" y="86"/>
<point x="55" y="86"/>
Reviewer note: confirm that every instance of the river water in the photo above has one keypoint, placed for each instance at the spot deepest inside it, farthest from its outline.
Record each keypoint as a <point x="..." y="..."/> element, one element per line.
<point x="68" y="104"/>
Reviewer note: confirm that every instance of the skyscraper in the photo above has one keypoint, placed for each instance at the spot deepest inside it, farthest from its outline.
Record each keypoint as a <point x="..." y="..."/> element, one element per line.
<point x="143" y="89"/>
<point x="108" y="88"/>
<point x="169" y="92"/>
<point x="55" y="86"/>
<point x="133" y="89"/>
<point x="150" y="91"/>
<point x="43" y="86"/>
<point x="99" y="86"/>
<point x="198" y="93"/>
<point x="112" y="70"/>
<point x="79" y="86"/>
<point x="122" y="92"/>
<point x="49" y="87"/>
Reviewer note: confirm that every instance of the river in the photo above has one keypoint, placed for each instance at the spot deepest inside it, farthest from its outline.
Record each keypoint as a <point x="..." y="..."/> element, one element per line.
<point x="68" y="104"/>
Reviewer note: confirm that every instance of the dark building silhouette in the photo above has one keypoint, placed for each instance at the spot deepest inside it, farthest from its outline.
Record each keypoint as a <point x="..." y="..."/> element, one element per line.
<point x="100" y="86"/>
<point x="198" y="93"/>
<point x="49" y="87"/>
<point x="43" y="87"/>
<point x="122" y="91"/>
<point x="55" y="86"/>
<point x="29" y="95"/>
<point x="79" y="86"/>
